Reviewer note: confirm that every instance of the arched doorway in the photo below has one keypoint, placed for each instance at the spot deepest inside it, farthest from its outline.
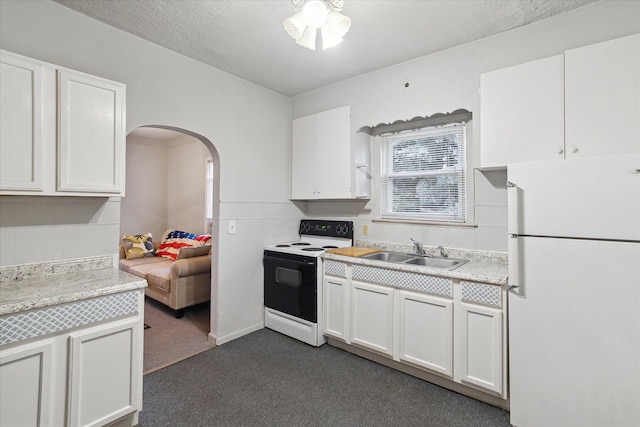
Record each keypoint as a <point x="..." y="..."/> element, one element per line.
<point x="152" y="170"/>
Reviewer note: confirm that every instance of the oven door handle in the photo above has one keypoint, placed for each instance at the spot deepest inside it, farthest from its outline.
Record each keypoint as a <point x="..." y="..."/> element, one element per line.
<point x="276" y="259"/>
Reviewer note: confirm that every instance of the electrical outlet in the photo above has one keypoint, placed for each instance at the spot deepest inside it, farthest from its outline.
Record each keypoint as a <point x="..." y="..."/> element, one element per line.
<point x="365" y="229"/>
<point x="232" y="227"/>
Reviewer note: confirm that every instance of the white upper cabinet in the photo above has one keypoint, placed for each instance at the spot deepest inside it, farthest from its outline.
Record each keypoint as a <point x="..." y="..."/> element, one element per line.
<point x="583" y="103"/>
<point x="91" y="136"/>
<point x="328" y="161"/>
<point x="602" y="98"/>
<point x="21" y="110"/>
<point x="522" y="113"/>
<point x="62" y="133"/>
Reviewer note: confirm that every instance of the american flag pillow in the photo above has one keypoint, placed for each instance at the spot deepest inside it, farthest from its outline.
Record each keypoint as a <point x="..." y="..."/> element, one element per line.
<point x="175" y="240"/>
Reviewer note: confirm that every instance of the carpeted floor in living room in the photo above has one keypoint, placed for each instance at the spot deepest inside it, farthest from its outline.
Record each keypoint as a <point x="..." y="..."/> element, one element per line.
<point x="168" y="340"/>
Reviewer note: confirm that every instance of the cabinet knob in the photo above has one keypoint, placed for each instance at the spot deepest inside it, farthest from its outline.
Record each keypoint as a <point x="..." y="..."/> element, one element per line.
<point x="559" y="150"/>
<point x="574" y="149"/>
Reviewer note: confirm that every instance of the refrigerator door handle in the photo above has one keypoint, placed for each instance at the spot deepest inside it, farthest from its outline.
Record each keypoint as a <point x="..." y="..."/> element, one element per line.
<point x="516" y="282"/>
<point x="513" y="208"/>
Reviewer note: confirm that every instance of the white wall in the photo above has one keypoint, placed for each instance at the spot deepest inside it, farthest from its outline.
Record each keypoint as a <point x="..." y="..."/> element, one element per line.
<point x="144" y="208"/>
<point x="248" y="125"/>
<point x="250" y="129"/>
<point x="448" y="81"/>
<point x="186" y="185"/>
<point x="166" y="183"/>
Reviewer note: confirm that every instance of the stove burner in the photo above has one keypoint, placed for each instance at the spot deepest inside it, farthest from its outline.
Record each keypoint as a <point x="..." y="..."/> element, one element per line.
<point x="300" y="244"/>
<point x="282" y="246"/>
<point x="312" y="249"/>
<point x="329" y="247"/>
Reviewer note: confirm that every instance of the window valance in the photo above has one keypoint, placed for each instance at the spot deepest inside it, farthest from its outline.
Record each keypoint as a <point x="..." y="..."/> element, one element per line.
<point x="437" y="119"/>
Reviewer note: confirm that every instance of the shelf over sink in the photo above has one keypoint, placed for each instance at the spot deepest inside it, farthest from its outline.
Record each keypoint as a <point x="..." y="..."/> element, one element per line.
<point x="400" y="258"/>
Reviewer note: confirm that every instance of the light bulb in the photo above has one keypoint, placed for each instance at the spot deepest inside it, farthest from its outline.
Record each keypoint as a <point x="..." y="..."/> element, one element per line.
<point x="315" y="13"/>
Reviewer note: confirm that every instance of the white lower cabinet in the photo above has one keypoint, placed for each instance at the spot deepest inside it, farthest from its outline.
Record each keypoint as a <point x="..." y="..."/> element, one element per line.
<point x="458" y="334"/>
<point x="101" y="363"/>
<point x="372" y="317"/>
<point x="25" y="384"/>
<point x="480" y="339"/>
<point x="336" y="307"/>
<point x="424" y="330"/>
<point x="89" y="375"/>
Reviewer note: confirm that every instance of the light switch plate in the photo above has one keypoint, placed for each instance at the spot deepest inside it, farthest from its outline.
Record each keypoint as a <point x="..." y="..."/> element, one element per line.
<point x="232" y="227"/>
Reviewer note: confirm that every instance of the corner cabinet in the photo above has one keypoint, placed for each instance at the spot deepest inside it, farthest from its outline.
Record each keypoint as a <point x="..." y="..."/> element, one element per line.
<point x="453" y="330"/>
<point x="328" y="160"/>
<point x="63" y="131"/>
<point x="583" y="103"/>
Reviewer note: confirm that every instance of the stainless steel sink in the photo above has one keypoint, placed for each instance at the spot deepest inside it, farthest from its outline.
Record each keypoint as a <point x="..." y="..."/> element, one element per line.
<point x="400" y="258"/>
<point x="448" y="264"/>
<point x="388" y="257"/>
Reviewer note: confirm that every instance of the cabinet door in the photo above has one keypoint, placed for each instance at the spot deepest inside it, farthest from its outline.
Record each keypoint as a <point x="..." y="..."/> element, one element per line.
<point x="334" y="154"/>
<point x="425" y="328"/>
<point x="481" y="346"/>
<point x="21" y="132"/>
<point x="336" y="308"/>
<point x="321" y="155"/>
<point x="25" y="384"/>
<point x="104" y="358"/>
<point x="304" y="148"/>
<point x="603" y="98"/>
<point x="372" y="317"/>
<point x="91" y="140"/>
<point x="522" y="113"/>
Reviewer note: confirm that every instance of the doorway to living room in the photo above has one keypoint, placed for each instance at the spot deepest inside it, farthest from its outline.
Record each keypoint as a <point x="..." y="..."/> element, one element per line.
<point x="172" y="183"/>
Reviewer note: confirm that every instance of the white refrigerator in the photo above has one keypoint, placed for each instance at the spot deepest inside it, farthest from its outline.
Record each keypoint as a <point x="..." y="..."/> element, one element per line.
<point x="574" y="298"/>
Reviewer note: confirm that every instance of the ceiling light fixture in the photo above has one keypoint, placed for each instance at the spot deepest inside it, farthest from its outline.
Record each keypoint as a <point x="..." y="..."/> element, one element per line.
<point x="313" y="14"/>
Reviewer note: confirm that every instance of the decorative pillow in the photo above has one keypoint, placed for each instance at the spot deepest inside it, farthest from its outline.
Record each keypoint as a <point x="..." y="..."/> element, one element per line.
<point x="138" y="245"/>
<point x="191" y="251"/>
<point x="174" y="240"/>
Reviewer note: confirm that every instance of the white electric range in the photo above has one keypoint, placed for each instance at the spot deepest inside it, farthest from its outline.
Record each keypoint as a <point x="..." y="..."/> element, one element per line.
<point x="293" y="279"/>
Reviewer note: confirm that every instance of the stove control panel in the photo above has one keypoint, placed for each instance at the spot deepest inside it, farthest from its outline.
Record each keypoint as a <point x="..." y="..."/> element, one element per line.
<point x="315" y="227"/>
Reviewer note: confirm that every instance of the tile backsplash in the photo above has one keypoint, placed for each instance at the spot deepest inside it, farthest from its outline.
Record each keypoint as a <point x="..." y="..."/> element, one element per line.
<point x="39" y="229"/>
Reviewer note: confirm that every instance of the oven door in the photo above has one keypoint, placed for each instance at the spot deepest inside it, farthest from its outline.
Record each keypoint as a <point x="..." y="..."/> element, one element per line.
<point x="290" y="284"/>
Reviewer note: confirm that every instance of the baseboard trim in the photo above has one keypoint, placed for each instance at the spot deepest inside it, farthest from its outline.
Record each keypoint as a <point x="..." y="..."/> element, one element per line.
<point x="218" y="340"/>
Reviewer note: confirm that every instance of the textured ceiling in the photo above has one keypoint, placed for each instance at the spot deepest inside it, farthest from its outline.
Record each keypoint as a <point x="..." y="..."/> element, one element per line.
<point x="246" y="37"/>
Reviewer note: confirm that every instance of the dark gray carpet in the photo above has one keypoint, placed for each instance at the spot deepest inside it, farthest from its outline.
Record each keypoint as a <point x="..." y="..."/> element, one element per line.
<point x="268" y="379"/>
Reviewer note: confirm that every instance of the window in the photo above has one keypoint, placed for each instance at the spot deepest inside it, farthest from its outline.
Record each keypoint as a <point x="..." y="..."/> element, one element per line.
<point x="422" y="174"/>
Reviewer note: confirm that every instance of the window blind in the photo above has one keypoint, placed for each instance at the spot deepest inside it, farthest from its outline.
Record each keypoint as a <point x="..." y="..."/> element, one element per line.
<point x="423" y="174"/>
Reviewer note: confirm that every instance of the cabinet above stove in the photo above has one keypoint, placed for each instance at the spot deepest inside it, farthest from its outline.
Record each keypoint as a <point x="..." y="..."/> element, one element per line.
<point x="329" y="160"/>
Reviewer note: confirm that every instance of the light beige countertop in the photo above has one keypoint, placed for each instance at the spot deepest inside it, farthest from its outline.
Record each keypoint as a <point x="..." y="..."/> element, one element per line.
<point x="33" y="286"/>
<point x="483" y="266"/>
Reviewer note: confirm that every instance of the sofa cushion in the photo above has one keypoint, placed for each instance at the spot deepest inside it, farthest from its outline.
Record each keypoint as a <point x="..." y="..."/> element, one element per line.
<point x="174" y="240"/>
<point x="129" y="265"/>
<point x="138" y="245"/>
<point x="141" y="269"/>
<point x="160" y="278"/>
<point x="191" y="251"/>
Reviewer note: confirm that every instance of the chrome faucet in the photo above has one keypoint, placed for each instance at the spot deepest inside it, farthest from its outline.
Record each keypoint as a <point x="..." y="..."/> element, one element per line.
<point x="417" y="247"/>
<point x="442" y="254"/>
